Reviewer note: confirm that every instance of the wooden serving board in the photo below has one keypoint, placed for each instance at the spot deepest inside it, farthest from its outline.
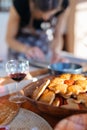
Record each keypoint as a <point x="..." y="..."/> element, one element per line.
<point x="8" y="110"/>
<point x="62" y="111"/>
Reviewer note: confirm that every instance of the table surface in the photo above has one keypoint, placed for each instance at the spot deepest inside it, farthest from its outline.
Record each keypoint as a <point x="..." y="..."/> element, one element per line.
<point x="52" y="120"/>
<point x="27" y="105"/>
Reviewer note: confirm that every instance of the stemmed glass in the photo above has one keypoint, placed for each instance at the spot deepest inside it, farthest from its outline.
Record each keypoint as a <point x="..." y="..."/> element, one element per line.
<point x="17" y="70"/>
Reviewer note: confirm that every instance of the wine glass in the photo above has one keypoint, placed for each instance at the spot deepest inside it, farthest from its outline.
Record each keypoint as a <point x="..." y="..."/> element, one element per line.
<point x="17" y="70"/>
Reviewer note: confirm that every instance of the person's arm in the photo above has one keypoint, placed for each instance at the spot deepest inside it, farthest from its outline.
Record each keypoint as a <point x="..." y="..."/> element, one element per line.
<point x="57" y="43"/>
<point x="12" y="30"/>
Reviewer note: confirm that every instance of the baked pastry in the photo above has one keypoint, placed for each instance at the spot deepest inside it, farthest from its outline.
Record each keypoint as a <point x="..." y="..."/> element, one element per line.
<point x="59" y="88"/>
<point x="56" y="89"/>
<point x="65" y="76"/>
<point x="77" y="77"/>
<point x="81" y="98"/>
<point x="40" y="89"/>
<point x="47" y="96"/>
<point x="57" y="101"/>
<point x="56" y="80"/>
<point x="70" y="104"/>
<point x="74" y="90"/>
<point x="69" y="82"/>
<point x="82" y="83"/>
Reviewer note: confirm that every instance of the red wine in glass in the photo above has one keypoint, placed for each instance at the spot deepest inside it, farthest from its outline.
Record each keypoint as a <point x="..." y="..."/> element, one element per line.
<point x="17" y="70"/>
<point x="18" y="76"/>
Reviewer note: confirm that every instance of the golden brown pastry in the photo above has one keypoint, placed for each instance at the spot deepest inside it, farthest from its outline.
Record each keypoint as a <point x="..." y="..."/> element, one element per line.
<point x="57" y="101"/>
<point x="40" y="89"/>
<point x="59" y="88"/>
<point x="82" y="83"/>
<point x="74" y="89"/>
<point x="47" y="96"/>
<point x="56" y="80"/>
<point x="70" y="104"/>
<point x="69" y="82"/>
<point x="81" y="98"/>
<point x="77" y="77"/>
<point x="65" y="76"/>
<point x="56" y="89"/>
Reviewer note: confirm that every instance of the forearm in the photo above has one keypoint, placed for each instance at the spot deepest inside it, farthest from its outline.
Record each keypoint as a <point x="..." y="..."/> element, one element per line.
<point x="29" y="51"/>
<point x="57" y="44"/>
<point x="16" y="45"/>
<point x="61" y="25"/>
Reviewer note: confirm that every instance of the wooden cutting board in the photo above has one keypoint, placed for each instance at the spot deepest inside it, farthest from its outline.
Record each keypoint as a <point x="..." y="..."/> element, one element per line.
<point x="8" y="110"/>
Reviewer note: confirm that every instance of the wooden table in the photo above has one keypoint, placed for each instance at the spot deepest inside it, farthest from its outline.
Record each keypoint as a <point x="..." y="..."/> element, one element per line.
<point x="52" y="120"/>
<point x="27" y="105"/>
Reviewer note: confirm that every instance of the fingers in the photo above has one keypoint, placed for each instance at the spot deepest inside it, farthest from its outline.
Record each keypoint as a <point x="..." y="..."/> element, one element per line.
<point x="35" y="52"/>
<point x="58" y="58"/>
<point x="39" y="53"/>
<point x="64" y="60"/>
<point x="55" y="58"/>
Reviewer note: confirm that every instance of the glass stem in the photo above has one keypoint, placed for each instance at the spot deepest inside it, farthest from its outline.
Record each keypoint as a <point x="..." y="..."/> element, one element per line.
<point x="16" y="86"/>
<point x="18" y="92"/>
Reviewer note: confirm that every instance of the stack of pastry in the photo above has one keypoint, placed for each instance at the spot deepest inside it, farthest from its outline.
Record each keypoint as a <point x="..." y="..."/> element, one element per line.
<point x="57" y="90"/>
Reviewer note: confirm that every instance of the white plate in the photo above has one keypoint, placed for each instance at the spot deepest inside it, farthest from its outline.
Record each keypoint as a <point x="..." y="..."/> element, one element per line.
<point x="27" y="120"/>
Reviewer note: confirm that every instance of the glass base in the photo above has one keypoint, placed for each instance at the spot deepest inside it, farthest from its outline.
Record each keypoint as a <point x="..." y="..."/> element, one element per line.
<point x="17" y="99"/>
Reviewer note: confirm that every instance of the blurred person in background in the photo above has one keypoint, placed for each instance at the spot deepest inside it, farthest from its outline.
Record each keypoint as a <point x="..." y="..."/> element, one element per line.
<point x="35" y="26"/>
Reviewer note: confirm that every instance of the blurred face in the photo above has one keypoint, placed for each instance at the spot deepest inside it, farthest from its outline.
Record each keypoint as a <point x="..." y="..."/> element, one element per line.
<point x="44" y="15"/>
<point x="38" y="14"/>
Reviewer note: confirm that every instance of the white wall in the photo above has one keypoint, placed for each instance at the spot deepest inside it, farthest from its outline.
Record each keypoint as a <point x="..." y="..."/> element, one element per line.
<point x="3" y="27"/>
<point x="81" y="30"/>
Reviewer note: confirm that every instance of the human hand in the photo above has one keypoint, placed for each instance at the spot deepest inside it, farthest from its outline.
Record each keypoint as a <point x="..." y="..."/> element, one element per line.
<point x="57" y="58"/>
<point x="35" y="52"/>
